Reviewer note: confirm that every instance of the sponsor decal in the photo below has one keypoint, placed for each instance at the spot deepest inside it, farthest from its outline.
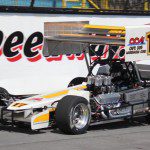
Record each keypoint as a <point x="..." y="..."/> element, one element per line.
<point x="136" y="45"/>
<point x="16" y="47"/>
<point x="137" y="41"/>
<point x="19" y="104"/>
<point x="36" y="99"/>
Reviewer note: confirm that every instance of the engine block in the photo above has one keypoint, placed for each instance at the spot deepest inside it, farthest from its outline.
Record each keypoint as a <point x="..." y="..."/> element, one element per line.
<point x="106" y="99"/>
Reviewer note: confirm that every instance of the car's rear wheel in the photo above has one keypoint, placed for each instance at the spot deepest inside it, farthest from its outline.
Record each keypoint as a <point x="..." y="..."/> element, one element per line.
<point x="73" y="115"/>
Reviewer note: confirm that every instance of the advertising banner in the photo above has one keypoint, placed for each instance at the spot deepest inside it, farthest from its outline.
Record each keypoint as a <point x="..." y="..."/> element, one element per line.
<point x="23" y="67"/>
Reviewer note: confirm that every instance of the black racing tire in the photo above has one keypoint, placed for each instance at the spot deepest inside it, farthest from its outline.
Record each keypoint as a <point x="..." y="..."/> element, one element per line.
<point x="65" y="107"/>
<point x="4" y="94"/>
<point x="77" y="81"/>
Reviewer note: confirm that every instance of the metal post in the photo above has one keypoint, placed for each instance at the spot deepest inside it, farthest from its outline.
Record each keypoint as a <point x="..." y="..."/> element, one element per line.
<point x="64" y="5"/>
<point x="93" y="4"/>
<point x="137" y="73"/>
<point x="32" y="3"/>
<point x="83" y="3"/>
<point x="86" y="59"/>
<point x="126" y="5"/>
<point x="106" y="4"/>
<point x="54" y="3"/>
<point x="16" y="2"/>
<point x="146" y="7"/>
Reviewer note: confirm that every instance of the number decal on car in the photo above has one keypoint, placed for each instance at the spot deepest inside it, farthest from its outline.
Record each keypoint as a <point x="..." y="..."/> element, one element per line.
<point x="148" y="43"/>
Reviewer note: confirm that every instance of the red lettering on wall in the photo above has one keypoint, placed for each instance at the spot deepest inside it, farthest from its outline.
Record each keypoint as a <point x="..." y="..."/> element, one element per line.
<point x="16" y="57"/>
<point x="71" y="56"/>
<point x="38" y="56"/>
<point x="120" y="53"/>
<point x="54" y="58"/>
<point x="32" y="47"/>
<point x="80" y="57"/>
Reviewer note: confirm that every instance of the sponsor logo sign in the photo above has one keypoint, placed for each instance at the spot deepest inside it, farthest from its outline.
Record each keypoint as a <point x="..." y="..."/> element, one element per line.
<point x="15" y="46"/>
<point x="12" y="46"/>
<point x="136" y="45"/>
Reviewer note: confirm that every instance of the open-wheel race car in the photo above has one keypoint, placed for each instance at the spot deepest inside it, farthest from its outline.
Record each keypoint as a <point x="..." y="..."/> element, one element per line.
<point x="114" y="89"/>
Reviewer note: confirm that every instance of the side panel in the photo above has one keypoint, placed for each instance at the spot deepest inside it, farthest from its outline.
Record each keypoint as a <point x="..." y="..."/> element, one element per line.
<point x="40" y="120"/>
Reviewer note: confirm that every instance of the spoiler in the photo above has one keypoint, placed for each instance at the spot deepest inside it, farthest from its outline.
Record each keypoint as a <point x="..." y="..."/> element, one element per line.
<point x="76" y="38"/>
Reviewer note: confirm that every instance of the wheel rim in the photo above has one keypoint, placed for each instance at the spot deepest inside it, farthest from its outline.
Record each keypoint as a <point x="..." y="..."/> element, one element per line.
<point x="79" y="116"/>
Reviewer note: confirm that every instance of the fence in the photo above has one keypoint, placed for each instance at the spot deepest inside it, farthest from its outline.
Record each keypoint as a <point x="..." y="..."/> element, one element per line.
<point x="77" y="6"/>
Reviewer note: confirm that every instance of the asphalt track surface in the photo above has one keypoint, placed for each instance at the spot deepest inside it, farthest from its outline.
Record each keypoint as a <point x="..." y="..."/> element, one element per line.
<point x="113" y="136"/>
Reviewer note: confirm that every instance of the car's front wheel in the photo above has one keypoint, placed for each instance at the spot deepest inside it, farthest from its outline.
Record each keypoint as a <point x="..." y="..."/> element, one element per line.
<point x="73" y="115"/>
<point x="4" y="97"/>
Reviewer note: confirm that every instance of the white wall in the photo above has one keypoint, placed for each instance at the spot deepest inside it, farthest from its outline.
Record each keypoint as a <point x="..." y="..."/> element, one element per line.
<point x="18" y="19"/>
<point x="24" y="77"/>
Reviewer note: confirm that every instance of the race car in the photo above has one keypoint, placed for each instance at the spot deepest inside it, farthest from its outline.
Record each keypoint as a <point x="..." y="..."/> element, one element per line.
<point x="114" y="89"/>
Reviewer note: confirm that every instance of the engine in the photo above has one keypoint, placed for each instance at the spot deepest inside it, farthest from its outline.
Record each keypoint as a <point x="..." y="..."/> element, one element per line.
<point x="102" y="88"/>
<point x="105" y="96"/>
<point x="108" y="101"/>
<point x="100" y="84"/>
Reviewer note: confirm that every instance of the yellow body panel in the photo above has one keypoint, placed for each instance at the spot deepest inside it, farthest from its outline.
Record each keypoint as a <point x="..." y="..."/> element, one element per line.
<point x="81" y="88"/>
<point x="64" y="92"/>
<point x="116" y="32"/>
<point x="104" y="27"/>
<point x="56" y="94"/>
<point x="42" y="118"/>
<point x="97" y="36"/>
